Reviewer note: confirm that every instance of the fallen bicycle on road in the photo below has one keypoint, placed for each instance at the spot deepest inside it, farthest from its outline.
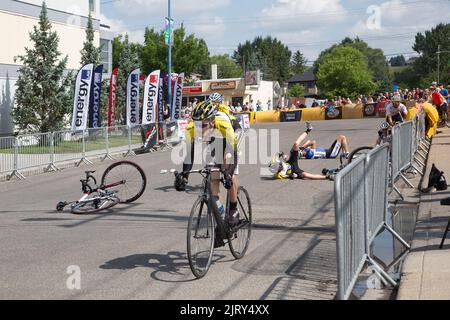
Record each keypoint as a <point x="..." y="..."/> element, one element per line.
<point x="122" y="182"/>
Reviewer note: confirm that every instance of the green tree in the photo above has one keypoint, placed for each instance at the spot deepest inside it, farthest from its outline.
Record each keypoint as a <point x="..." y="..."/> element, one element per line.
<point x="375" y="59"/>
<point x="268" y="54"/>
<point x="296" y="91"/>
<point x="43" y="92"/>
<point x="6" y="105"/>
<point x="298" y="63"/>
<point x="423" y="70"/>
<point x="90" y="52"/>
<point x="398" y="61"/>
<point x="227" y="67"/>
<point x="129" y="61"/>
<point x="344" y="71"/>
<point x="189" y="53"/>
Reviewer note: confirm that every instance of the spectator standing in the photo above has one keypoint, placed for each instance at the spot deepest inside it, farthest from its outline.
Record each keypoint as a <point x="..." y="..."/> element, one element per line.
<point x="269" y="105"/>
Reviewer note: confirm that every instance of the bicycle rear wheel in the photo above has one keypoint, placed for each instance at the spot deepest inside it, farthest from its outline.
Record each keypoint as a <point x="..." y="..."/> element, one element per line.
<point x="239" y="239"/>
<point x="95" y="205"/>
<point x="127" y="178"/>
<point x="200" y="238"/>
<point x="355" y="154"/>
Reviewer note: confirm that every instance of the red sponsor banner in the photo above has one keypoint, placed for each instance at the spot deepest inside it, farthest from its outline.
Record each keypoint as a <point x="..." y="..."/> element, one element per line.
<point x="381" y="107"/>
<point x="112" y="99"/>
<point x="192" y="90"/>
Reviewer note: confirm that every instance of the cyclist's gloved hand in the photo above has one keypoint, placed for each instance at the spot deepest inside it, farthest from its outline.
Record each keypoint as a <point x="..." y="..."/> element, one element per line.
<point x="227" y="180"/>
<point x="181" y="182"/>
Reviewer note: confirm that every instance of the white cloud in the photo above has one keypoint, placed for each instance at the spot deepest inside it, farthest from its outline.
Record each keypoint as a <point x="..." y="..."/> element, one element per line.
<point x="400" y="22"/>
<point x="158" y="8"/>
<point x="288" y="14"/>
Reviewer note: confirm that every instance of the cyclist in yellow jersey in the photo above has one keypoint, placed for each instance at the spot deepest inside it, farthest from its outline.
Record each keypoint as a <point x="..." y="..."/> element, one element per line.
<point x="215" y="128"/>
<point x="223" y="110"/>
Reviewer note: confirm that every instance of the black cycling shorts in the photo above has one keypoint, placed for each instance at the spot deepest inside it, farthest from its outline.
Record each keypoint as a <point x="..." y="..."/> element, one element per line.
<point x="293" y="161"/>
<point x="334" y="150"/>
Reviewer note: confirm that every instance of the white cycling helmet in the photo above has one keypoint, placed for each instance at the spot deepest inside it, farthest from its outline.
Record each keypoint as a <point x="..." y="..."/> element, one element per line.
<point x="384" y="126"/>
<point x="216" y="97"/>
<point x="275" y="164"/>
<point x="397" y="98"/>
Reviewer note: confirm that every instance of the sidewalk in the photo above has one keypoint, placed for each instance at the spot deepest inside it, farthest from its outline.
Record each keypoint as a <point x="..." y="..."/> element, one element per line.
<point x="426" y="272"/>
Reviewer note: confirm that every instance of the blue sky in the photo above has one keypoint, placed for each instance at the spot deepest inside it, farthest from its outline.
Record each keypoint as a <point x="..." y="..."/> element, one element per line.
<point x="306" y="25"/>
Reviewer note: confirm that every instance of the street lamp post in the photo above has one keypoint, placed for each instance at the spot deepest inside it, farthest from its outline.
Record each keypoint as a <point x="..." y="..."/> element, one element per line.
<point x="169" y="80"/>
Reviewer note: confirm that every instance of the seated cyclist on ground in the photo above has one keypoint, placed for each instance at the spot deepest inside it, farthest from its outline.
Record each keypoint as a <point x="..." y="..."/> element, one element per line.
<point x="309" y="150"/>
<point x="285" y="166"/>
<point x="396" y="111"/>
<point x="218" y="133"/>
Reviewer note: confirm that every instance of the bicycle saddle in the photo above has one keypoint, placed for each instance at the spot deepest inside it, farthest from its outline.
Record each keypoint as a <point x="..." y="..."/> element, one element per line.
<point x="89" y="172"/>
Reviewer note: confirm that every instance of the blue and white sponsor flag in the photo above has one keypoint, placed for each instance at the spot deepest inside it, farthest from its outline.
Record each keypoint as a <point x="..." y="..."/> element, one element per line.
<point x="177" y="98"/>
<point x="82" y="97"/>
<point x="133" y="118"/>
<point x="161" y="99"/>
<point x="96" y="92"/>
<point x="151" y="98"/>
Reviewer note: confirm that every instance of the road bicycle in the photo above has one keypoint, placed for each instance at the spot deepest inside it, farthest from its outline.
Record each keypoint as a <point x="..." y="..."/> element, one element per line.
<point x="122" y="182"/>
<point x="205" y="221"/>
<point x="355" y="154"/>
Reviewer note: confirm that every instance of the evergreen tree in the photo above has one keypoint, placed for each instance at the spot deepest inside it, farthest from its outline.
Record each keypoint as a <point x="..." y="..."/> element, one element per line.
<point x="129" y="61"/>
<point x="42" y="96"/>
<point x="90" y="52"/>
<point x="298" y="63"/>
<point x="6" y="105"/>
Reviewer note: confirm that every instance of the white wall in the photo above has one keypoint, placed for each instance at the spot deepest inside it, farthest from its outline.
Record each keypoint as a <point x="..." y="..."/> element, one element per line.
<point x="263" y="94"/>
<point x="79" y="7"/>
<point x="14" y="31"/>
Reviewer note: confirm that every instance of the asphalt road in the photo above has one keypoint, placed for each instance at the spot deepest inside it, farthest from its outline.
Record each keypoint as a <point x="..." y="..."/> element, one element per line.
<point x="138" y="251"/>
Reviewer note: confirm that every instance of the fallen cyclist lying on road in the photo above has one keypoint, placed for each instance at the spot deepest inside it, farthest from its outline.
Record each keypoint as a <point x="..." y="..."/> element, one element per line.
<point x="286" y="167"/>
<point x="310" y="150"/>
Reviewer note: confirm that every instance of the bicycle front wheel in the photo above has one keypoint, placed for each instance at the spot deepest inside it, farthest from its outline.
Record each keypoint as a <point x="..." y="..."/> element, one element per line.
<point x="127" y="178"/>
<point x="200" y="238"/>
<point x="355" y="154"/>
<point x="95" y="205"/>
<point x="240" y="235"/>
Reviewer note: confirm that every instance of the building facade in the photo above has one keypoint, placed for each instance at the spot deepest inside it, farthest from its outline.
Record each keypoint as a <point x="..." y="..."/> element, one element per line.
<point x="69" y="19"/>
<point x="235" y="92"/>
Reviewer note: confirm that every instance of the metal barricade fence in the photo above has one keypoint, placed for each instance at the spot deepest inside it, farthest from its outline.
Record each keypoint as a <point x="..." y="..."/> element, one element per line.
<point x="349" y="195"/>
<point x="119" y="139"/>
<point x="401" y="146"/>
<point x="7" y="154"/>
<point x="33" y="150"/>
<point x="361" y="212"/>
<point x="95" y="141"/>
<point x="68" y="146"/>
<point x="377" y="173"/>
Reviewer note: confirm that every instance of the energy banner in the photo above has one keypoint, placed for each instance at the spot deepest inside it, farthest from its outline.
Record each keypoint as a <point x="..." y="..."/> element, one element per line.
<point x="112" y="99"/>
<point x="133" y="118"/>
<point x="151" y="91"/>
<point x="82" y="98"/>
<point x="177" y="98"/>
<point x="95" y="103"/>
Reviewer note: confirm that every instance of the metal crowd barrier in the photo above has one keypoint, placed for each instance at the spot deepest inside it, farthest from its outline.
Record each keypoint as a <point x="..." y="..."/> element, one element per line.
<point x="361" y="204"/>
<point x="50" y="150"/>
<point x="402" y="153"/>
<point x="8" y="154"/>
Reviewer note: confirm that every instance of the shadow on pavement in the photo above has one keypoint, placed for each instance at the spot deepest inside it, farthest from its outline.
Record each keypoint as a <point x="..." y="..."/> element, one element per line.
<point x="173" y="263"/>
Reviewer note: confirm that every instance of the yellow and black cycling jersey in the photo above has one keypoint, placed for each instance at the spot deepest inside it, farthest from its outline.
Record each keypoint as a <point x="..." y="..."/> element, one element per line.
<point x="222" y="130"/>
